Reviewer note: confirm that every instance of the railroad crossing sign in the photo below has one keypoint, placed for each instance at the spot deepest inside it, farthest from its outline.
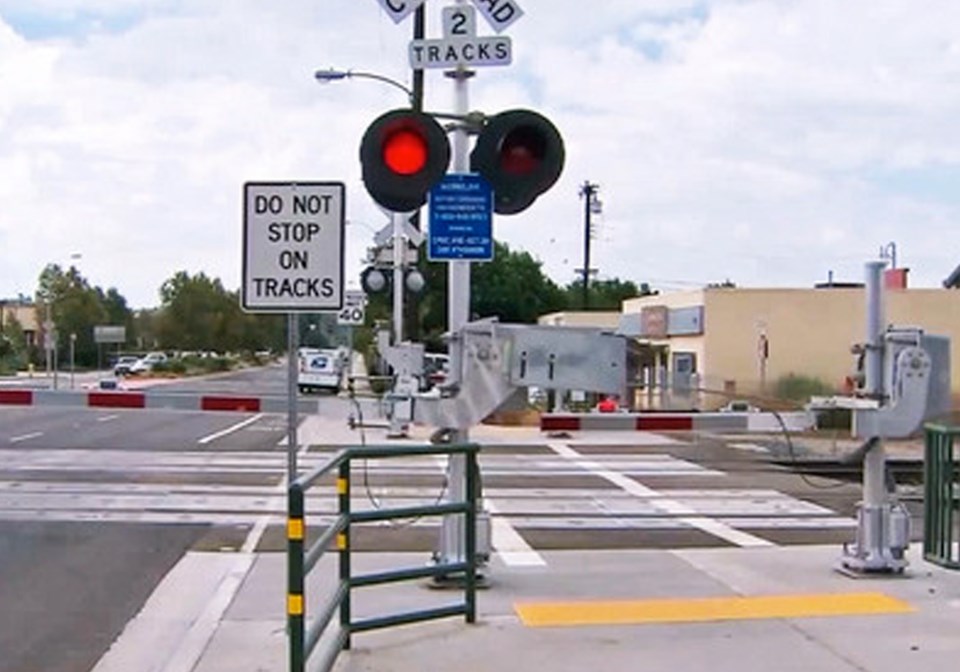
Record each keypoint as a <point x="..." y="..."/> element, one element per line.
<point x="354" y="308"/>
<point x="460" y="45"/>
<point x="398" y="10"/>
<point x="293" y="238"/>
<point x="500" y="14"/>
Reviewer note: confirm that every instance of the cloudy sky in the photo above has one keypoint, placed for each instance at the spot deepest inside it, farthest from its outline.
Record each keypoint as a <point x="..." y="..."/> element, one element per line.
<point x="768" y="142"/>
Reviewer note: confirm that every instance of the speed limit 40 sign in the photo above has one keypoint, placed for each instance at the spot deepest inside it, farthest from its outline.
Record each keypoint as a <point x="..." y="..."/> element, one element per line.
<point x="353" y="311"/>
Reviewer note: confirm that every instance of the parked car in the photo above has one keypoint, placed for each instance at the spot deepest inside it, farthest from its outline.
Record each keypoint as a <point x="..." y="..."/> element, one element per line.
<point x="739" y="406"/>
<point x="122" y="367"/>
<point x="147" y="363"/>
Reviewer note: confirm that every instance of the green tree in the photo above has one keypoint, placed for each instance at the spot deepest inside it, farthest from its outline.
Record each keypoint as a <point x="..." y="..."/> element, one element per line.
<point x="605" y="294"/>
<point x="76" y="307"/>
<point x="513" y="288"/>
<point x="197" y="313"/>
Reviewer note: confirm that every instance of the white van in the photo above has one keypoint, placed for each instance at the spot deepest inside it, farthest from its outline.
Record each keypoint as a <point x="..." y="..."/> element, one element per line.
<point x="319" y="370"/>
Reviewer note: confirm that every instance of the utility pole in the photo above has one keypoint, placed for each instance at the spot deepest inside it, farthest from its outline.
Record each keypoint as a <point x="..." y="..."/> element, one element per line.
<point x="588" y="192"/>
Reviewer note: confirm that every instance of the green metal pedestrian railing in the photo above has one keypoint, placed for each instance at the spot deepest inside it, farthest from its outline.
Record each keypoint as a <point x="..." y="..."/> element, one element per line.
<point x="305" y="633"/>
<point x="941" y="497"/>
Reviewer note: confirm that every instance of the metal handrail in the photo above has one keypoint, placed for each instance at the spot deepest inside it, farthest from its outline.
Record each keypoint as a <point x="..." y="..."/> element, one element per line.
<point x="302" y="558"/>
<point x="940" y="498"/>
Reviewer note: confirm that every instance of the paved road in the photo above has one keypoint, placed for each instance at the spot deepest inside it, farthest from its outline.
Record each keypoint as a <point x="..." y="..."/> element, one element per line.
<point x="68" y="582"/>
<point x="96" y="505"/>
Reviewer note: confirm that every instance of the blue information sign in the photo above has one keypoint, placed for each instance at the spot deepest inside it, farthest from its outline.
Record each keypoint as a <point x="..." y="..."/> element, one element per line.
<point x="461" y="219"/>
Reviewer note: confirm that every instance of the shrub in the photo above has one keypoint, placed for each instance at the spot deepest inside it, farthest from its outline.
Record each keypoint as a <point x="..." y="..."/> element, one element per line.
<point x="216" y="364"/>
<point x="800" y="388"/>
<point x="176" y="366"/>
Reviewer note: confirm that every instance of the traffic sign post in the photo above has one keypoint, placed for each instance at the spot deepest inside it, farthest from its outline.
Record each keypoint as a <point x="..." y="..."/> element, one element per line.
<point x="461" y="230"/>
<point x="352" y="315"/>
<point x="353" y="312"/>
<point x="293" y="242"/>
<point x="293" y="238"/>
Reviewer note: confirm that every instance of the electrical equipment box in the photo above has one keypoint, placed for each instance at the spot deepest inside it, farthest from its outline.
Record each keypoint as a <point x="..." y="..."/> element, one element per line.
<point x="896" y="339"/>
<point x="568" y="358"/>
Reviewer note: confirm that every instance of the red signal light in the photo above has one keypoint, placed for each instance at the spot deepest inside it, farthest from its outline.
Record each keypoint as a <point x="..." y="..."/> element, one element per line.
<point x="522" y="151"/>
<point x="521" y="154"/>
<point x="405" y="152"/>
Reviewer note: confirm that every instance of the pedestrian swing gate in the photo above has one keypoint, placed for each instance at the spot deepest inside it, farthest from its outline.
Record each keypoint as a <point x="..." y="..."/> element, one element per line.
<point x="302" y="557"/>
<point x="941" y="497"/>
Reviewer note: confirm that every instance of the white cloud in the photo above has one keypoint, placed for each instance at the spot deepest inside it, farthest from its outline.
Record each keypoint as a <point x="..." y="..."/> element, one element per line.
<point x="735" y="139"/>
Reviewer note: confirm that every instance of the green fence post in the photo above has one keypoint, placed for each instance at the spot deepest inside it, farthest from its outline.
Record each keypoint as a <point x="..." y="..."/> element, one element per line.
<point x="939" y="495"/>
<point x="471" y="536"/>
<point x="295" y="582"/>
<point x="343" y="545"/>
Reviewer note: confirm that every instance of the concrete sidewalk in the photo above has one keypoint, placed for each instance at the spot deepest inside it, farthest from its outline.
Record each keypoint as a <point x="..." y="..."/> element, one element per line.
<point x="225" y="612"/>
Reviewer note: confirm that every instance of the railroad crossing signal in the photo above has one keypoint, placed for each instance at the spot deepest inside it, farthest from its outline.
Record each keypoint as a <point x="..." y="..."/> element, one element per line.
<point x="521" y="154"/>
<point x="403" y="153"/>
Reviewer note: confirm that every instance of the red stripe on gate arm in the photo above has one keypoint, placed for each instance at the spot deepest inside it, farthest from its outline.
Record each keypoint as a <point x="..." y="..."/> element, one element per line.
<point x="665" y="422"/>
<point x="16" y="397"/>
<point x="116" y="400"/>
<point x="249" y="404"/>
<point x="558" y="423"/>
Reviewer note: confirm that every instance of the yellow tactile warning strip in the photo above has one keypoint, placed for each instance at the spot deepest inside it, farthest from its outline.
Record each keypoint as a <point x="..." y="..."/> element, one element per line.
<point x="628" y="612"/>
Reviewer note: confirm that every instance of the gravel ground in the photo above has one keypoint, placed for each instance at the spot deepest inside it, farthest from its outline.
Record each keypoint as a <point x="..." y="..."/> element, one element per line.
<point x="828" y="444"/>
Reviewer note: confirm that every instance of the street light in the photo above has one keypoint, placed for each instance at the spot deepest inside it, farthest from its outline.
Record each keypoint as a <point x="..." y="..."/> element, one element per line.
<point x="332" y="75"/>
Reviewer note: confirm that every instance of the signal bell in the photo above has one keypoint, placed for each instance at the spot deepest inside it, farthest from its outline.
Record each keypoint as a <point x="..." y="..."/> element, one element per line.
<point x="521" y="154"/>
<point x="403" y="154"/>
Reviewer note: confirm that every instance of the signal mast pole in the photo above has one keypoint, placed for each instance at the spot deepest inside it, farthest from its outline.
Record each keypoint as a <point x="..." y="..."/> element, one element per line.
<point x="452" y="537"/>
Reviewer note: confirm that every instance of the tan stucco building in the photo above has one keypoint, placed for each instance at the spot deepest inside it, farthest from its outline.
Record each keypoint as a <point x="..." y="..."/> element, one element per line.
<point x="742" y="341"/>
<point x="24" y="312"/>
<point x="702" y="348"/>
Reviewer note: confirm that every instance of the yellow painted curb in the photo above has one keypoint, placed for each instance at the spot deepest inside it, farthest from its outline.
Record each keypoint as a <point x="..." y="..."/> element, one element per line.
<point x="627" y="612"/>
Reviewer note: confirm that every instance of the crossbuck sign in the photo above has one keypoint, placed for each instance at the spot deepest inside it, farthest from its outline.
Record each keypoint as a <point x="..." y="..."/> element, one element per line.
<point x="293" y="238"/>
<point x="500" y="14"/>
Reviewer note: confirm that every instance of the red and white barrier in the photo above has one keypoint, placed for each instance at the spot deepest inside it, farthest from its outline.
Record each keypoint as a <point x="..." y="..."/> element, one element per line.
<point x="680" y="422"/>
<point x="151" y="400"/>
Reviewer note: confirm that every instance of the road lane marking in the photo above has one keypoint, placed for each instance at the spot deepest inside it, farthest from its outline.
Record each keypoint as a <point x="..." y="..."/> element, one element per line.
<point x="752" y="447"/>
<point x="107" y="418"/>
<point x="229" y="430"/>
<point x="25" y="437"/>
<point x="685" y="513"/>
<point x="698" y="610"/>
<point x="512" y="548"/>
<point x="260" y="526"/>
